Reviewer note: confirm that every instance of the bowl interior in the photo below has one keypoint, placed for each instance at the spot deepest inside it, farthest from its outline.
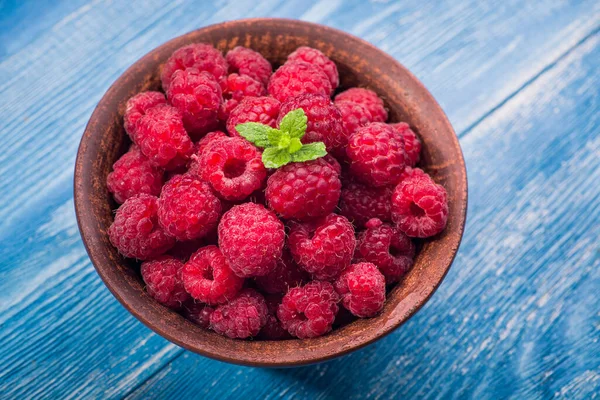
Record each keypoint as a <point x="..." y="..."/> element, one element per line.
<point x="359" y="64"/>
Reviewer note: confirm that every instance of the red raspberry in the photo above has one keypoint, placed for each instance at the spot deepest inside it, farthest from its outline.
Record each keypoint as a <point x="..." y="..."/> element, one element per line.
<point x="333" y="163"/>
<point x="273" y="330"/>
<point x="388" y="248"/>
<point x="318" y="59"/>
<point x="366" y="98"/>
<point x="309" y="311"/>
<point x="199" y="149"/>
<point x="198" y="313"/>
<point x="354" y="116"/>
<point x="359" y="203"/>
<point x="295" y="78"/>
<point x="137" y="106"/>
<point x="420" y="207"/>
<point x="287" y="274"/>
<point x="187" y="208"/>
<point x="238" y="88"/>
<point x="134" y="174"/>
<point x="162" y="277"/>
<point x="233" y="167"/>
<point x="324" y="120"/>
<point x="241" y="318"/>
<point x="323" y="247"/>
<point x="208" y="278"/>
<point x="362" y="289"/>
<point x="304" y="190"/>
<point x="251" y="239"/>
<point x="248" y="62"/>
<point x="410" y="172"/>
<point x="201" y="56"/>
<point x="162" y="138"/>
<point x="135" y="231"/>
<point x="197" y="95"/>
<point x="376" y="154"/>
<point x="254" y="109"/>
<point x="412" y="144"/>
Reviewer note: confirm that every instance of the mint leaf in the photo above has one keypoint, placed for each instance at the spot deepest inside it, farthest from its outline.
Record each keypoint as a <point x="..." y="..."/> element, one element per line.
<point x="295" y="145"/>
<point x="274" y="137"/>
<point x="308" y="152"/>
<point x="294" y="123"/>
<point x="273" y="157"/>
<point x="255" y="132"/>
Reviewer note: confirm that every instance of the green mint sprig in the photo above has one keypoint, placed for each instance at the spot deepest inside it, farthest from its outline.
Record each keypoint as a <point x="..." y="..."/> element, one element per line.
<point x="282" y="146"/>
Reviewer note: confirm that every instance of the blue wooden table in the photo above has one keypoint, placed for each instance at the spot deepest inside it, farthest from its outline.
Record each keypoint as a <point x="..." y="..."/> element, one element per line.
<point x="518" y="316"/>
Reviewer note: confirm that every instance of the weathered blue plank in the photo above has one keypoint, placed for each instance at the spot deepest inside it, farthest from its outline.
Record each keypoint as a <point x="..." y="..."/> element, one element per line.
<point x="62" y="333"/>
<point x="517" y="316"/>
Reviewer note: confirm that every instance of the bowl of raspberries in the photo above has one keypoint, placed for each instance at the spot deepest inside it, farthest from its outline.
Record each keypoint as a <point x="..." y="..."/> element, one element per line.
<point x="270" y="192"/>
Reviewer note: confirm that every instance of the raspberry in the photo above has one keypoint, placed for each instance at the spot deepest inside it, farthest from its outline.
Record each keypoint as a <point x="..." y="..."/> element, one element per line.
<point x="295" y="78"/>
<point x="135" y="232"/>
<point x="199" y="149"/>
<point x="324" y="120"/>
<point x="412" y="144"/>
<point x="318" y="59"/>
<point x="354" y="116"/>
<point x="162" y="277"/>
<point x="241" y="318"/>
<point x="323" y="247"/>
<point x="333" y="163"/>
<point x="251" y="239"/>
<point x="137" y="106"/>
<point x="238" y="88"/>
<point x="273" y="329"/>
<point x="410" y="172"/>
<point x="366" y="98"/>
<point x="376" y="154"/>
<point x="254" y="109"/>
<point x="208" y="278"/>
<point x="162" y="138"/>
<point x="248" y="62"/>
<point x="359" y="203"/>
<point x="420" y="207"/>
<point x="198" y="313"/>
<point x="286" y="274"/>
<point x="134" y="174"/>
<point x="309" y="311"/>
<point x="362" y="289"/>
<point x="304" y="190"/>
<point x="386" y="247"/>
<point x="201" y="56"/>
<point x="197" y="95"/>
<point x="187" y="208"/>
<point x="233" y="167"/>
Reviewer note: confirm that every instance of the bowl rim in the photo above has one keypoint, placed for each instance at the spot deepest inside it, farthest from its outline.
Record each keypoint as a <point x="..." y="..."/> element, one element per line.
<point x="86" y="220"/>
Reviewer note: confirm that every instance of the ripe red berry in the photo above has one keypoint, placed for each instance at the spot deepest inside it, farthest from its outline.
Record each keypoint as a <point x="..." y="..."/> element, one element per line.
<point x="273" y="330"/>
<point x="304" y="190"/>
<point x="254" y="109"/>
<point x="366" y="98"/>
<point x="354" y="116"/>
<point x="134" y="174"/>
<point x="295" y="78"/>
<point x="162" y="277"/>
<point x="233" y="167"/>
<point x="208" y="278"/>
<point x="238" y="88"/>
<point x="360" y="203"/>
<point x="323" y="247"/>
<point x="362" y="289"/>
<point x="318" y="59"/>
<point x="200" y="56"/>
<point x="197" y="96"/>
<point x="241" y="318"/>
<point x="376" y="154"/>
<point x="162" y="138"/>
<point x="198" y="313"/>
<point x="420" y="207"/>
<point x="135" y="231"/>
<point x="137" y="106"/>
<point x="251" y="239"/>
<point x="309" y="311"/>
<point x="187" y="208"/>
<point x="386" y="247"/>
<point x="248" y="62"/>
<point x="286" y="274"/>
<point x="412" y="144"/>
<point x="194" y="164"/>
<point x="410" y="172"/>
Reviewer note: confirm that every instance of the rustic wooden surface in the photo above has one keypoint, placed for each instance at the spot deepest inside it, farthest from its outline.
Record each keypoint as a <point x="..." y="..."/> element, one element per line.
<point x="518" y="315"/>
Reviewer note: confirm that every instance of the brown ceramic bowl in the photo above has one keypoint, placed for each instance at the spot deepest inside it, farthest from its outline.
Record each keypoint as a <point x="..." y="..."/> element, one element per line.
<point x="360" y="64"/>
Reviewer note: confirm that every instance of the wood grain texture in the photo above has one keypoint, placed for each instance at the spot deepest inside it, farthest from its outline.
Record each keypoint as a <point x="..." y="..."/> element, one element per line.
<point x="63" y="335"/>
